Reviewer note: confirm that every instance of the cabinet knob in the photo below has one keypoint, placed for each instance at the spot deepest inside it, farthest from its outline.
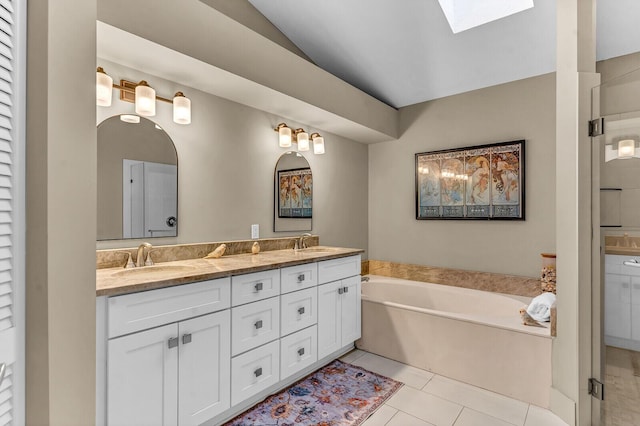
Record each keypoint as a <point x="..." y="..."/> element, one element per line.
<point x="346" y="289"/>
<point x="300" y="278"/>
<point x="258" y="372"/>
<point x="300" y="351"/>
<point x="341" y="290"/>
<point x="186" y="338"/>
<point x="258" y="287"/>
<point x="173" y="342"/>
<point x="301" y="310"/>
<point x="258" y="324"/>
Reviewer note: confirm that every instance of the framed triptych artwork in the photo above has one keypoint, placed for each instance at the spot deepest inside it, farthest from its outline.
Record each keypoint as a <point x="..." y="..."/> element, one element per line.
<point x="479" y="182"/>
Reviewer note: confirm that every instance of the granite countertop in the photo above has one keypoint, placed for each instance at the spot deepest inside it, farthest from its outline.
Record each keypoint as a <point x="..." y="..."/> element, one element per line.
<point x="116" y="281"/>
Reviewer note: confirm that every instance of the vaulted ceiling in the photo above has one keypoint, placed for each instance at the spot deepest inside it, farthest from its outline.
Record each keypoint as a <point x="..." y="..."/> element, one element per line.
<point x="404" y="52"/>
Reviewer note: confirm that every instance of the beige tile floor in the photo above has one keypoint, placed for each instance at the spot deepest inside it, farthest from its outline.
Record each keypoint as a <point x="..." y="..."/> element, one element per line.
<point x="622" y="388"/>
<point x="428" y="399"/>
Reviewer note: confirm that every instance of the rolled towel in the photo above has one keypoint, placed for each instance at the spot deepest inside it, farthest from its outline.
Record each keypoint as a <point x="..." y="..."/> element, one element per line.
<point x="540" y="307"/>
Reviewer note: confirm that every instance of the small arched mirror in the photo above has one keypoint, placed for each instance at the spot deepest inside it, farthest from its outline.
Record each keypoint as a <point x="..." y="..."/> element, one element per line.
<point x="293" y="195"/>
<point x="137" y="180"/>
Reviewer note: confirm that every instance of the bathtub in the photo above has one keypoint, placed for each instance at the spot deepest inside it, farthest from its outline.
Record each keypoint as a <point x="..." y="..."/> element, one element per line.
<point x="468" y="335"/>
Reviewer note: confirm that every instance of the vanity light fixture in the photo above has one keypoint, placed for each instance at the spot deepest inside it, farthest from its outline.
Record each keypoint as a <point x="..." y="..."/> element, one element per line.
<point x="287" y="136"/>
<point x="622" y="149"/>
<point x="143" y="95"/>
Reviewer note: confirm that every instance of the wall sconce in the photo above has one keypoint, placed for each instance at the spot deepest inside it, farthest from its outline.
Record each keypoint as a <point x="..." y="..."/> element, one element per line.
<point x="622" y="149"/>
<point x="287" y="136"/>
<point x="143" y="95"/>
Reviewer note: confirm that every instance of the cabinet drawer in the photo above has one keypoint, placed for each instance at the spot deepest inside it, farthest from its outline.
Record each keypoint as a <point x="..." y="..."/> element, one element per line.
<point x="298" y="277"/>
<point x="139" y="311"/>
<point x="254" y="371"/>
<point x="337" y="269"/>
<point x="298" y="351"/>
<point x="298" y="310"/>
<point x="255" y="324"/>
<point x="253" y="287"/>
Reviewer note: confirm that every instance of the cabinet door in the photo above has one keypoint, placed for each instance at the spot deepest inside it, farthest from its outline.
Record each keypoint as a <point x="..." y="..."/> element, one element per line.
<point x="635" y="308"/>
<point x="205" y="378"/>
<point x="617" y="306"/>
<point x="329" y="318"/>
<point x="351" y="310"/>
<point x="142" y="378"/>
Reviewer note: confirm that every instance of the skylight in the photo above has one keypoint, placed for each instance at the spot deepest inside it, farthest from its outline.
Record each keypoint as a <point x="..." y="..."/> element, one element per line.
<point x="465" y="14"/>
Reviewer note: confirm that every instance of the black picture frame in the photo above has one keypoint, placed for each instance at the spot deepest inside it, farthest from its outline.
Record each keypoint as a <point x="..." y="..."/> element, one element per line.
<point x="482" y="182"/>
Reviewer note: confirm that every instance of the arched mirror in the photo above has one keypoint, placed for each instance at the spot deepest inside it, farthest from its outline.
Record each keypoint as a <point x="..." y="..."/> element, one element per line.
<point x="137" y="180"/>
<point x="293" y="195"/>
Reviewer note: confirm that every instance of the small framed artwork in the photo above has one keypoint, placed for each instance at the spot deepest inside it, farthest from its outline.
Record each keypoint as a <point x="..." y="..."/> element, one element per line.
<point x="479" y="182"/>
<point x="295" y="192"/>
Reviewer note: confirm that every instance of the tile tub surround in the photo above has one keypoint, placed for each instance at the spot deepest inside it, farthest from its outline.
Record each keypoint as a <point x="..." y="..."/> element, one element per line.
<point x="115" y="281"/>
<point x="113" y="258"/>
<point x="487" y="281"/>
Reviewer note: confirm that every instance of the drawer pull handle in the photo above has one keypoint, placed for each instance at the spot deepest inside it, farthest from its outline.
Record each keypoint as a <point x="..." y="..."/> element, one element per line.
<point x="300" y="351"/>
<point x="346" y="289"/>
<point x="341" y="290"/>
<point x="258" y="287"/>
<point x="186" y="338"/>
<point x="173" y="342"/>
<point x="625" y="285"/>
<point x="301" y="310"/>
<point x="258" y="372"/>
<point x="300" y="278"/>
<point x="258" y="324"/>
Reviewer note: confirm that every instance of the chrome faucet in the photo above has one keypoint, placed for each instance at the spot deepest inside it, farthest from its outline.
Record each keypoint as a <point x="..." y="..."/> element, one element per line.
<point x="141" y="258"/>
<point x="301" y="241"/>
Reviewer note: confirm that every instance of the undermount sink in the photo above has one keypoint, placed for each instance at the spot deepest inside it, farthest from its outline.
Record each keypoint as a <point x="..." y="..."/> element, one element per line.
<point x="155" y="269"/>
<point x="317" y="250"/>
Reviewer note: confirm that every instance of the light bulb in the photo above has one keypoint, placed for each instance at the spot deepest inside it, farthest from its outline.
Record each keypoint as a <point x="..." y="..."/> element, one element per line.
<point x="284" y="136"/>
<point x="104" y="88"/>
<point x="626" y="148"/>
<point x="303" y="141"/>
<point x="318" y="143"/>
<point x="181" y="109"/>
<point x="145" y="100"/>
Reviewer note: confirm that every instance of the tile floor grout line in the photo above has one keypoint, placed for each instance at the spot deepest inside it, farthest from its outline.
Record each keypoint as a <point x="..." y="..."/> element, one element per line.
<point x="527" y="415"/>
<point x="458" y="416"/>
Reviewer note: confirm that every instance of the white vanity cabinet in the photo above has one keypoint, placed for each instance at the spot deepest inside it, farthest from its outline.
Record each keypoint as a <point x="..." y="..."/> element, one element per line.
<point x="622" y="301"/>
<point x="168" y="355"/>
<point x="338" y="304"/>
<point x="203" y="352"/>
<point x="174" y="374"/>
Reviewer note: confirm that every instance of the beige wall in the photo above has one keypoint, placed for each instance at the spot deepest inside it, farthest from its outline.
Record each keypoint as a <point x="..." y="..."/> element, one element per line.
<point x="226" y="162"/>
<point x="519" y="110"/>
<point x="61" y="213"/>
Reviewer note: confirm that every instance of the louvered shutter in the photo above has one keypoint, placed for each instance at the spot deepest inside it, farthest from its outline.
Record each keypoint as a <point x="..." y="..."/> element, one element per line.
<point x="11" y="289"/>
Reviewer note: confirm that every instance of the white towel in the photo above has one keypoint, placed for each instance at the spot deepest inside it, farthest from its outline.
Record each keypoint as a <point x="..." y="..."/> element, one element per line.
<point x="540" y="307"/>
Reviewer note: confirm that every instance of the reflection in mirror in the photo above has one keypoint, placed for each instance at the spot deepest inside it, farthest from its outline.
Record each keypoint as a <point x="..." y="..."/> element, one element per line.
<point x="137" y="180"/>
<point x="293" y="194"/>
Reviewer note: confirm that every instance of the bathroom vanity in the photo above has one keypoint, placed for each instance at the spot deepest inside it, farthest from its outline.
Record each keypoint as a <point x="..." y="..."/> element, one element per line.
<point x="622" y="298"/>
<point x="199" y="341"/>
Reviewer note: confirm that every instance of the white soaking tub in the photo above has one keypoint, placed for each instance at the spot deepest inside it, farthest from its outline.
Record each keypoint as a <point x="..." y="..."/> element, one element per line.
<point x="469" y="335"/>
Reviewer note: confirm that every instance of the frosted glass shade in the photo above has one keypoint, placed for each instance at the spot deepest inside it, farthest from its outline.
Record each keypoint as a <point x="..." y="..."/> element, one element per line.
<point x="626" y="148"/>
<point x="104" y="88"/>
<point x="318" y="145"/>
<point x="181" y="109"/>
<point x="303" y="141"/>
<point x="130" y="118"/>
<point x="145" y="100"/>
<point x="284" y="137"/>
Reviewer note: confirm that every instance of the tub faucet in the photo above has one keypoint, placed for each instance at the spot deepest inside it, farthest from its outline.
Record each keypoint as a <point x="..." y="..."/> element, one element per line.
<point x="300" y="244"/>
<point x="141" y="258"/>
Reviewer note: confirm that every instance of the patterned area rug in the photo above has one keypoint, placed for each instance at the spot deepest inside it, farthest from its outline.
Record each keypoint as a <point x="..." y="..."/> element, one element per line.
<point x="337" y="394"/>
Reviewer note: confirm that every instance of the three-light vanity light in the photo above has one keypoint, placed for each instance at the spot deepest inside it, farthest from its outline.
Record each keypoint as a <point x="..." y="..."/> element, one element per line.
<point x="287" y="136"/>
<point x="143" y="95"/>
